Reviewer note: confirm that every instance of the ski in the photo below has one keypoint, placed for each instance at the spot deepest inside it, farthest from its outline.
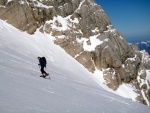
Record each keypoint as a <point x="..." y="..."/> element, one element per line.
<point x="46" y="77"/>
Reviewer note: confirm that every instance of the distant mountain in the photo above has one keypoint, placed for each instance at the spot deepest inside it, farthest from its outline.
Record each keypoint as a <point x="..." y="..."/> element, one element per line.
<point x="144" y="46"/>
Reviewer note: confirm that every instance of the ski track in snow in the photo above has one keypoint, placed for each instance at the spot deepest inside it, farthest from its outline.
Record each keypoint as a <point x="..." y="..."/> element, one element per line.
<point x="72" y="88"/>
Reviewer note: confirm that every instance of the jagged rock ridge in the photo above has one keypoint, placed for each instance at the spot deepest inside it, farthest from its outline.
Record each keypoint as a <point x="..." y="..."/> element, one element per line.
<point x="83" y="30"/>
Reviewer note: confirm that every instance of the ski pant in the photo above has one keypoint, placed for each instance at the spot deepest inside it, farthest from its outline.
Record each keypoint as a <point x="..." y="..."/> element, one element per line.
<point x="42" y="70"/>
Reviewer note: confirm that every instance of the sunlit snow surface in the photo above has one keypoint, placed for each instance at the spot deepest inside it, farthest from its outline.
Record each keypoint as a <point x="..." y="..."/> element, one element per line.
<point x="148" y="74"/>
<point x="72" y="89"/>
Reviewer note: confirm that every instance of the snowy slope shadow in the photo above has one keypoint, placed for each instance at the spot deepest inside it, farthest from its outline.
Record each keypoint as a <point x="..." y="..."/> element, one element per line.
<point x="71" y="90"/>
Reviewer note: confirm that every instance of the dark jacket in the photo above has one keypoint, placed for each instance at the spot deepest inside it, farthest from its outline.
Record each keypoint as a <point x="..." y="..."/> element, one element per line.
<point x="42" y="63"/>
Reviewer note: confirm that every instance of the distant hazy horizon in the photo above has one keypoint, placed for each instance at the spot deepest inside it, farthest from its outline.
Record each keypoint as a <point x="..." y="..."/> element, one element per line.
<point x="130" y="17"/>
<point x="135" y="39"/>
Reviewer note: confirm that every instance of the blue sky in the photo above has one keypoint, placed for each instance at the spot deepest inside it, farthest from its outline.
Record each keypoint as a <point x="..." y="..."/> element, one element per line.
<point x="130" y="17"/>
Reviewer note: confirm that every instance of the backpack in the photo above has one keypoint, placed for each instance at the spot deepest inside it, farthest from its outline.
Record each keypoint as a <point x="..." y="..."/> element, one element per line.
<point x="44" y="60"/>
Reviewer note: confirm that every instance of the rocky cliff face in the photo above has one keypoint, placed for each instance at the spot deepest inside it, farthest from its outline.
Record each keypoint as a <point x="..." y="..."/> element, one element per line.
<point x="83" y="30"/>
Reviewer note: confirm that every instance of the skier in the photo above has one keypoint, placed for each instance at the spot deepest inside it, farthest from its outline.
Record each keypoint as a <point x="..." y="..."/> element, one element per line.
<point x="42" y="63"/>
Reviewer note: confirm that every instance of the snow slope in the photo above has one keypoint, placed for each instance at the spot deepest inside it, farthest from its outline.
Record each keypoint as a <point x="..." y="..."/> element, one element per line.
<point x="71" y="89"/>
